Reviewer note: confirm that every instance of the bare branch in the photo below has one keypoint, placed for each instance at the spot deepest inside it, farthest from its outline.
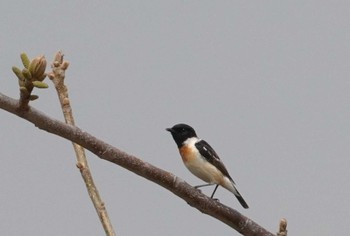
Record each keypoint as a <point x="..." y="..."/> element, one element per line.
<point x="163" y="178"/>
<point x="57" y="76"/>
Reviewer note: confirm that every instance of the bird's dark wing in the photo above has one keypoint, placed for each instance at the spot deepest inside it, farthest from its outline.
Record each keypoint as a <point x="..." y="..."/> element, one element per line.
<point x="210" y="155"/>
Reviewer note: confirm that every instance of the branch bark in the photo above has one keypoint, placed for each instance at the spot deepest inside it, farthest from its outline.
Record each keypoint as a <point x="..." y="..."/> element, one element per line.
<point x="193" y="197"/>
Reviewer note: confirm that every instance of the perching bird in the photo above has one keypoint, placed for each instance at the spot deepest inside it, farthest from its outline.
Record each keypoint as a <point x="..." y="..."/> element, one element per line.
<point x="202" y="161"/>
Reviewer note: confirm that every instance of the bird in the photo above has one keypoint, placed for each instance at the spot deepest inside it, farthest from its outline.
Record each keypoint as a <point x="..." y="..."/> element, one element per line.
<point x="202" y="161"/>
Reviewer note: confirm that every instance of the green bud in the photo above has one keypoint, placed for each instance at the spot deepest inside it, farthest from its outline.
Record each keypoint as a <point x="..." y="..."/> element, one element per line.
<point x="26" y="74"/>
<point x="18" y="73"/>
<point x="25" y="60"/>
<point x="33" y="97"/>
<point x="24" y="90"/>
<point x="37" y="66"/>
<point x="40" y="84"/>
<point x="21" y="83"/>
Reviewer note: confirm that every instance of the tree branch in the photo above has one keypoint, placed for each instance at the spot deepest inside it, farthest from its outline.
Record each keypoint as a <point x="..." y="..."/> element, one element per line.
<point x="163" y="178"/>
<point x="57" y="76"/>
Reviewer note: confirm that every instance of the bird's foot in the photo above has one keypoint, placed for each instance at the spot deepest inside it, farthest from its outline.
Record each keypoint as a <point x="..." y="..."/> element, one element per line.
<point x="198" y="190"/>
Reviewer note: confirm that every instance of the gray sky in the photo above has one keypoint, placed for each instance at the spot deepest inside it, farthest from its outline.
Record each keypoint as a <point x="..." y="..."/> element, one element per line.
<point x="266" y="83"/>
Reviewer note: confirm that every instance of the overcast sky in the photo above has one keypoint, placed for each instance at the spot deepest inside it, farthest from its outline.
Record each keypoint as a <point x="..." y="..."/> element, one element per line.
<point x="266" y="83"/>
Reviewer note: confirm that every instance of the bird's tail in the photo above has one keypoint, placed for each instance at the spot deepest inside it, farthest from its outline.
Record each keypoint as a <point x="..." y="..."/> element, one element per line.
<point x="241" y="200"/>
<point x="232" y="188"/>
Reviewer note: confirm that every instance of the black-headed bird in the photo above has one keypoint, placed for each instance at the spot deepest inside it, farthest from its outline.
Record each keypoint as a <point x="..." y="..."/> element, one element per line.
<point x="202" y="161"/>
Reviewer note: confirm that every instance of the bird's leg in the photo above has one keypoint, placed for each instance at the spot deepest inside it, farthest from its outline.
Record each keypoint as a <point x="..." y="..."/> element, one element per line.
<point x="216" y="187"/>
<point x="203" y="185"/>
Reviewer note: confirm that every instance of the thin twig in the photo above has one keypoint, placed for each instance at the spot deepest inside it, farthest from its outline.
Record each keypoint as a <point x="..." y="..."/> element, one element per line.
<point x="57" y="76"/>
<point x="192" y="196"/>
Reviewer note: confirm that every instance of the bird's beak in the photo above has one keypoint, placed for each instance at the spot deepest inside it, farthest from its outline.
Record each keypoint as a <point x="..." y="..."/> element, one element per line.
<point x="169" y="129"/>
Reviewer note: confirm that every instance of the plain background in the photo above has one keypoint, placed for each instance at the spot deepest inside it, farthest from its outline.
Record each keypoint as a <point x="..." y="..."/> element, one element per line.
<point x="266" y="83"/>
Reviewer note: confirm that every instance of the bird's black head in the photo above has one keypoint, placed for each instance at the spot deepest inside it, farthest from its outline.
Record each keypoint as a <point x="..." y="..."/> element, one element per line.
<point x="181" y="132"/>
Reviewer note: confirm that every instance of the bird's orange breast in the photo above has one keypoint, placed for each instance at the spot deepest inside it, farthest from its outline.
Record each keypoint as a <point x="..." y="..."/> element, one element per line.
<point x="187" y="153"/>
